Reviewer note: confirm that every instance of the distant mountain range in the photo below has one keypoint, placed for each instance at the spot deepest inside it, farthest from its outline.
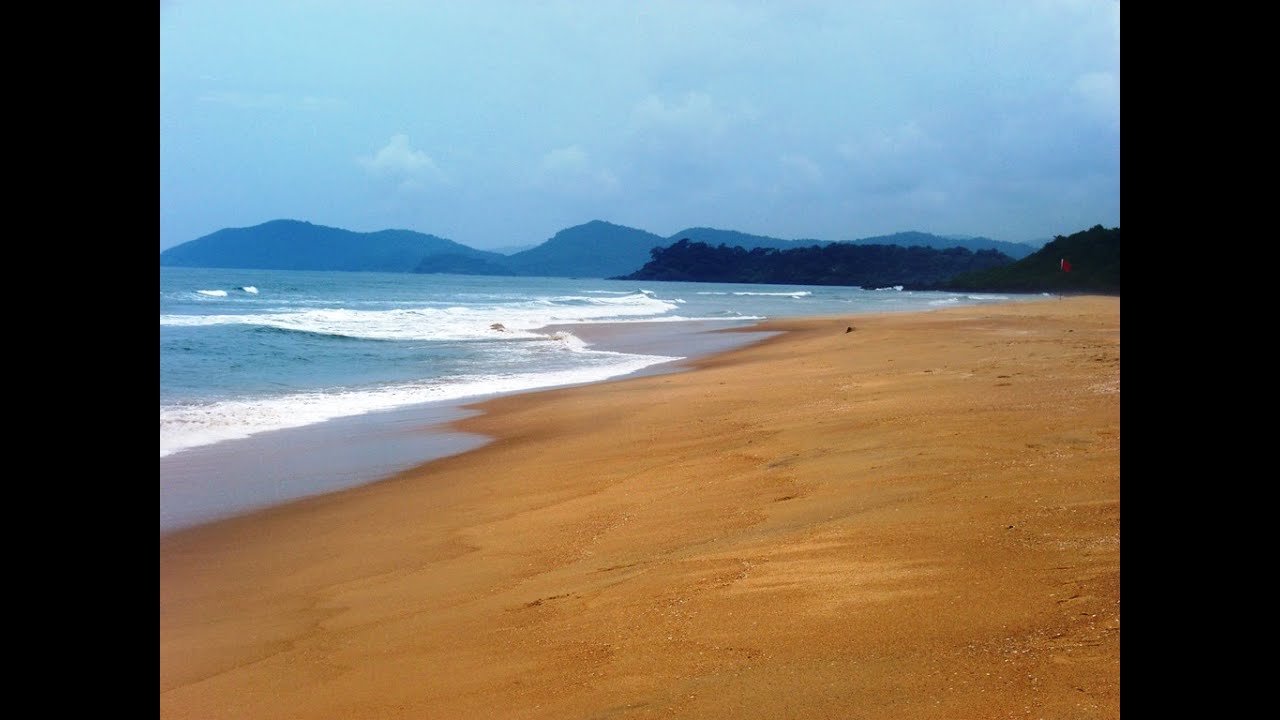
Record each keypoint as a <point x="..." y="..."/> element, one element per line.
<point x="595" y="249"/>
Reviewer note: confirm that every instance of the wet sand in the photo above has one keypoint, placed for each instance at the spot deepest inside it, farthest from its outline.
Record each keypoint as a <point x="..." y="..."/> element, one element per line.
<point x="917" y="518"/>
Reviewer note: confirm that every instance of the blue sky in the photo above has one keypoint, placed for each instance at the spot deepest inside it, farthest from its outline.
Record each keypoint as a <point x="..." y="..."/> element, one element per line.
<point x="496" y="124"/>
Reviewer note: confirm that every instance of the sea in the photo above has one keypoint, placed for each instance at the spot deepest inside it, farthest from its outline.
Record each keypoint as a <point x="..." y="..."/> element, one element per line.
<point x="277" y="385"/>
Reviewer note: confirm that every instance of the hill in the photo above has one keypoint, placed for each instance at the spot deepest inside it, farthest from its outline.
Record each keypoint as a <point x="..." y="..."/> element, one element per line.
<point x="1093" y="256"/>
<point x="298" y="245"/>
<point x="595" y="249"/>
<point x="733" y="238"/>
<point x="868" y="266"/>
<point x="911" y="238"/>
<point x="1017" y="251"/>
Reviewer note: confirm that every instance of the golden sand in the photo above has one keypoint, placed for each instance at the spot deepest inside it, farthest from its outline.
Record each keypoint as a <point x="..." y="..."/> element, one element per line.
<point x="916" y="519"/>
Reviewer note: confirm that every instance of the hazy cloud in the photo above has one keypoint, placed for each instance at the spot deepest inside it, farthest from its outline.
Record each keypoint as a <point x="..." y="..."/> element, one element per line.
<point x="245" y="100"/>
<point x="694" y="112"/>
<point x="397" y="160"/>
<point x="570" y="169"/>
<point x="799" y="170"/>
<point x="893" y="160"/>
<point x="818" y="119"/>
<point x="270" y="100"/>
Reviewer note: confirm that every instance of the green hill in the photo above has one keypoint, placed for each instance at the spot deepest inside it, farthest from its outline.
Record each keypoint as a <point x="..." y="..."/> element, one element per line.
<point x="297" y="245"/>
<point x="595" y="249"/>
<point x="912" y="238"/>
<point x="868" y="266"/>
<point x="733" y="238"/>
<point x="1093" y="256"/>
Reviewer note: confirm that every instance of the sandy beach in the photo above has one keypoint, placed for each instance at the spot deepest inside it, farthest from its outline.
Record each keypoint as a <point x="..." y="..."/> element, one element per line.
<point x="915" y="518"/>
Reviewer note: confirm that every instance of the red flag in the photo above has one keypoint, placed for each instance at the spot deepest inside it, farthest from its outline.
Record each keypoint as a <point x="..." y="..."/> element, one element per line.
<point x="1066" y="266"/>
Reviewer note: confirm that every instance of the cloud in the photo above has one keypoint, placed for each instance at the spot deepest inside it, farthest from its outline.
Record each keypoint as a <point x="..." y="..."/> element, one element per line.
<point x="799" y="170"/>
<point x="313" y="102"/>
<point x="572" y="169"/>
<point x="245" y="100"/>
<point x="891" y="161"/>
<point x="816" y="118"/>
<point x="694" y="112"/>
<point x="271" y="100"/>
<point x="397" y="160"/>
<point x="689" y="144"/>
<point x="905" y="139"/>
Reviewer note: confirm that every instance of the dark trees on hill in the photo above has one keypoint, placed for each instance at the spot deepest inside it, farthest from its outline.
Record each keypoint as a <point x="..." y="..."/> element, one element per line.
<point x="833" y="264"/>
<point x="1093" y="255"/>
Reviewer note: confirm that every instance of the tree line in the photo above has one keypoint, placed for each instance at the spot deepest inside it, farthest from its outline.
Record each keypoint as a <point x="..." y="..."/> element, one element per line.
<point x="868" y="266"/>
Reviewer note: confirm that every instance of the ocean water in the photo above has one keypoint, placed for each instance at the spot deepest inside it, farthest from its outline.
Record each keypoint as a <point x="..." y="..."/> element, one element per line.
<point x="280" y="384"/>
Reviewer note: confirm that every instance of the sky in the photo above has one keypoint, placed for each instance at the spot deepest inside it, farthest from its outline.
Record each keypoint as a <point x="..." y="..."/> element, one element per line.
<point x="497" y="124"/>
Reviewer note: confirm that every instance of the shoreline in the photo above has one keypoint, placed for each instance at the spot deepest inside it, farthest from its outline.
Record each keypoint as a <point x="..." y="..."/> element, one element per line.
<point x="919" y="517"/>
<point x="241" y="476"/>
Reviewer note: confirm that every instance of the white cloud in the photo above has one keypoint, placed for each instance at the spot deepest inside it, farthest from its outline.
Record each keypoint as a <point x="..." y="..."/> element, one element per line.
<point x="572" y="159"/>
<point x="688" y="142"/>
<point x="272" y="100"/>
<point x="397" y="160"/>
<point x="572" y="169"/>
<point x="683" y="113"/>
<point x="313" y="102"/>
<point x="693" y="112"/>
<point x="245" y="100"/>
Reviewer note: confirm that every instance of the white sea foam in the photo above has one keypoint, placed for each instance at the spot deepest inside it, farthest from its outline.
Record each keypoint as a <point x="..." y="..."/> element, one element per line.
<point x="797" y="294"/>
<point x="895" y="288"/>
<point x="988" y="298"/>
<point x="250" y="289"/>
<point x="187" y="426"/>
<point x="946" y="301"/>
<point x="676" y="319"/>
<point x="570" y="341"/>
<point x="212" y="293"/>
<point x="448" y="323"/>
